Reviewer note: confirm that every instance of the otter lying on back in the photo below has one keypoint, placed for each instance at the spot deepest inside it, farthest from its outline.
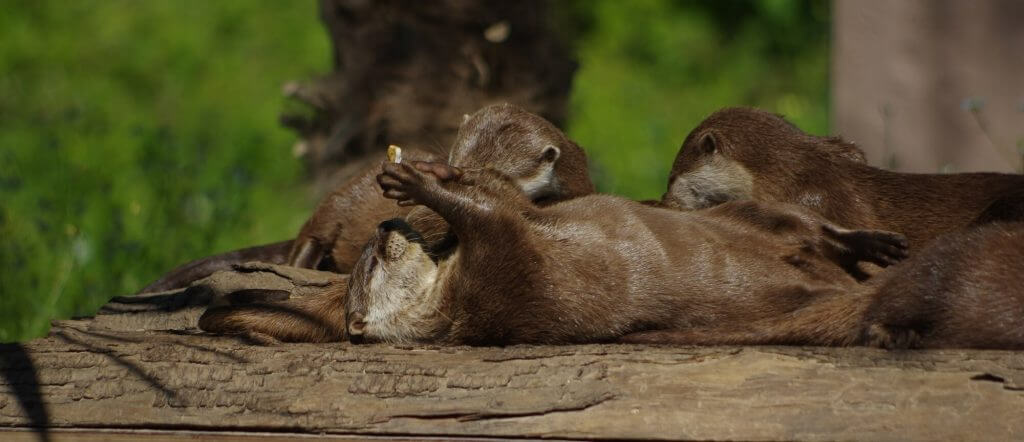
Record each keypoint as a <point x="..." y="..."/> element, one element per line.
<point x="545" y="164"/>
<point x="743" y="153"/>
<point x="590" y="269"/>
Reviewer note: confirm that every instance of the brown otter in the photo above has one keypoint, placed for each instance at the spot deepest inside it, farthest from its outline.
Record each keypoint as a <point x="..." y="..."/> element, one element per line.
<point x="589" y="269"/>
<point x="965" y="290"/>
<point x="743" y="153"/>
<point x="316" y="318"/>
<point x="545" y="163"/>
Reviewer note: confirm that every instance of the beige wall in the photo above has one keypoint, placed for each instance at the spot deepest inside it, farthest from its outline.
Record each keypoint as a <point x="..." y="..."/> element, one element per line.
<point x="904" y="71"/>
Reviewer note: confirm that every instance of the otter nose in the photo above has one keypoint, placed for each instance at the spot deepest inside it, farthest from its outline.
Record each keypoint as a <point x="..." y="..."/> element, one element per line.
<point x="356" y="324"/>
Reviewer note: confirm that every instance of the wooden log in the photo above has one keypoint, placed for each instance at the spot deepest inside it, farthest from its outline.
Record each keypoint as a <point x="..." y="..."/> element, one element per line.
<point x="85" y="378"/>
<point x="142" y="366"/>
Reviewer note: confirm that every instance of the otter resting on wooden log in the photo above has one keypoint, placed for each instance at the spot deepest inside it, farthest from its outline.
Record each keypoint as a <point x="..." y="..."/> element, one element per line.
<point x="745" y="153"/>
<point x="601" y="268"/>
<point x="539" y="158"/>
<point x="595" y="268"/>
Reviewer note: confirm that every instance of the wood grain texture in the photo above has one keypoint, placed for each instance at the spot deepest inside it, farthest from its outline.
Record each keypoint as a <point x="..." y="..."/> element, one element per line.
<point x="173" y="380"/>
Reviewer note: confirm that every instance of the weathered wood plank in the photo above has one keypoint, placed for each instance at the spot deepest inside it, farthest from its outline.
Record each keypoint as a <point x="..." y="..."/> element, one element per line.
<point x="182" y="380"/>
<point x="89" y="435"/>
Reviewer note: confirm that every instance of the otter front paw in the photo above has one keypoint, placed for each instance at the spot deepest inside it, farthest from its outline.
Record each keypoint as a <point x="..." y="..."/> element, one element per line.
<point x="875" y="246"/>
<point x="410" y="183"/>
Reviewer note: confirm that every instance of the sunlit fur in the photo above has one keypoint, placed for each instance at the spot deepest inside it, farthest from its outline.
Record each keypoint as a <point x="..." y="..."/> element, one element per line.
<point x="716" y="180"/>
<point x="395" y="296"/>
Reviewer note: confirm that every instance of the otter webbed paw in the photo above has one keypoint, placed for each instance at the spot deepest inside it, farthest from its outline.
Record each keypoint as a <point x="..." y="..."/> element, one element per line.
<point x="410" y="182"/>
<point x="875" y="246"/>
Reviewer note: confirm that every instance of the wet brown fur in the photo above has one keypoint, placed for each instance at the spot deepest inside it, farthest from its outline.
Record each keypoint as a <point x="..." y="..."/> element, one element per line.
<point x="829" y="176"/>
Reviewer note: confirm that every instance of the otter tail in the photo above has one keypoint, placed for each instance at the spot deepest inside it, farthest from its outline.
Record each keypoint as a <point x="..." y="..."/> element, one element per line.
<point x="182" y="276"/>
<point x="312" y="318"/>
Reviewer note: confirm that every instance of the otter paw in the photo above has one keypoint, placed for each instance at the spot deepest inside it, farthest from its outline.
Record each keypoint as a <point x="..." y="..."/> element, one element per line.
<point x="876" y="246"/>
<point x="890" y="338"/>
<point x="402" y="182"/>
<point x="443" y="171"/>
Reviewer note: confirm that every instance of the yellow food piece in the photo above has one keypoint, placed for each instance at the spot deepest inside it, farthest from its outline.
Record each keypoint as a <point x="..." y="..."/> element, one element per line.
<point x="394" y="154"/>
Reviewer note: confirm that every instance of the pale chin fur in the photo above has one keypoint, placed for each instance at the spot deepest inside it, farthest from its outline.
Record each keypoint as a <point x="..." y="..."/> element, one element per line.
<point x="402" y="300"/>
<point x="711" y="184"/>
<point x="540" y="184"/>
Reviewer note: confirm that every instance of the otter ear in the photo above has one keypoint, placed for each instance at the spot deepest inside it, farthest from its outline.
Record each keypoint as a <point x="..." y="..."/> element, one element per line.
<point x="708" y="143"/>
<point x="465" y="118"/>
<point x="550" y="153"/>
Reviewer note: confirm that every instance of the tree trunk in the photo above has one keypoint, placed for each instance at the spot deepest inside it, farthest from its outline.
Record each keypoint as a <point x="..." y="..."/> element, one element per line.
<point x="406" y="72"/>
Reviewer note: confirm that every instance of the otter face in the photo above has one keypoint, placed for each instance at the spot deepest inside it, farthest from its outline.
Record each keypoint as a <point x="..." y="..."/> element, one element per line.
<point x="702" y="176"/>
<point x="517" y="143"/>
<point x="390" y="289"/>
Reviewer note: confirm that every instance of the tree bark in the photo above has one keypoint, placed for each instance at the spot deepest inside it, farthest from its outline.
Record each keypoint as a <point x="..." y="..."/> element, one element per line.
<point x="406" y="72"/>
<point x="122" y="371"/>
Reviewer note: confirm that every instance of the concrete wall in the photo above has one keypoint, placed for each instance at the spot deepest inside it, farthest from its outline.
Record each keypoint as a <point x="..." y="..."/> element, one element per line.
<point x="931" y="85"/>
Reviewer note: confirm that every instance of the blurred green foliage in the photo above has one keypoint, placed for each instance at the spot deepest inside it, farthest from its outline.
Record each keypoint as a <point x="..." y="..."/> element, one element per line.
<point x="651" y="70"/>
<point x="135" y="136"/>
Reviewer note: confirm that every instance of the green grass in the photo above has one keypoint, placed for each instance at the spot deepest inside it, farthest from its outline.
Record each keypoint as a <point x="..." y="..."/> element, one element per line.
<point x="136" y="135"/>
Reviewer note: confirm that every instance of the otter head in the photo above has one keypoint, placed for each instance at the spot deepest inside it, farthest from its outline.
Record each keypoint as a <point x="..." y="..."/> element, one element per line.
<point x="737" y="152"/>
<point x="704" y="176"/>
<point x="391" y="296"/>
<point x="529" y="149"/>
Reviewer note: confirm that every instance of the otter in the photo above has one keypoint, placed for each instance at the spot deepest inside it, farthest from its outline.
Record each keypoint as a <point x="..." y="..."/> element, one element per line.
<point x="744" y="153"/>
<point x="590" y="269"/>
<point x="964" y="290"/>
<point x="545" y="163"/>
<point x="313" y="318"/>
